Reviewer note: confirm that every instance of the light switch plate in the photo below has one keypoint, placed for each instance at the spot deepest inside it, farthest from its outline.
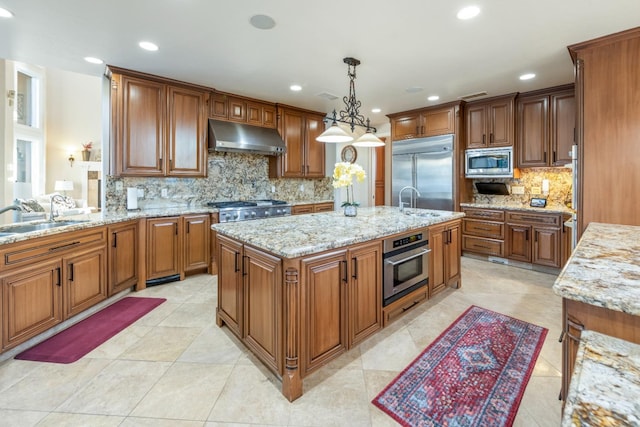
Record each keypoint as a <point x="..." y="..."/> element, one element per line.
<point x="140" y="192"/>
<point x="517" y="189"/>
<point x="118" y="186"/>
<point x="536" y="190"/>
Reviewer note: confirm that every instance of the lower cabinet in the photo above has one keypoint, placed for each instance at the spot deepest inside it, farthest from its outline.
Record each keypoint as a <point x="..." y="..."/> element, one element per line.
<point x="123" y="256"/>
<point x="312" y="208"/>
<point x="445" y="244"/>
<point x="230" y="290"/>
<point x="534" y="238"/>
<point x="163" y="247"/>
<point x="197" y="230"/>
<point x="85" y="281"/>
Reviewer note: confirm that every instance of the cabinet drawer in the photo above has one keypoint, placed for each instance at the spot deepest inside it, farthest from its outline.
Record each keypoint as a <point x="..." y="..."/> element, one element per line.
<point x="23" y="253"/>
<point x="398" y="308"/>
<point x="323" y="207"/>
<point x="301" y="209"/>
<point x="483" y="246"/>
<point x="487" y="214"/>
<point x="494" y="230"/>
<point x="534" y="219"/>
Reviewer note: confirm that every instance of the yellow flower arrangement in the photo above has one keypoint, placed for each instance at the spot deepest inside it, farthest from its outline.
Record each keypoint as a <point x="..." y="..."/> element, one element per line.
<point x="343" y="174"/>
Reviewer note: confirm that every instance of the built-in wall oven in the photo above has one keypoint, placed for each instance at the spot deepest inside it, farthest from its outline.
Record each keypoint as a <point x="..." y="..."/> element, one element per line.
<point x="405" y="265"/>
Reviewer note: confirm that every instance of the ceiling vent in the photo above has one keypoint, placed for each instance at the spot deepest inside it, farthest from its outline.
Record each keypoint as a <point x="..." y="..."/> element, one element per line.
<point x="327" y="95"/>
<point x="473" y="95"/>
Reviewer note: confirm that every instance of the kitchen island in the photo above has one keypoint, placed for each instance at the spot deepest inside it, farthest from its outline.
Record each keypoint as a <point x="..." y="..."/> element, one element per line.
<point x="600" y="287"/>
<point x="300" y="291"/>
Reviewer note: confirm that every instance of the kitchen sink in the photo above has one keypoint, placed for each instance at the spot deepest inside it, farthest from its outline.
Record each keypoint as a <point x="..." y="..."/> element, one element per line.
<point x="26" y="228"/>
<point x="422" y="214"/>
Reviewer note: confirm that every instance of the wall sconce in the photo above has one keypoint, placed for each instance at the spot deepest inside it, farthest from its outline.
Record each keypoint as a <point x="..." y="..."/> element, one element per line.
<point x="71" y="159"/>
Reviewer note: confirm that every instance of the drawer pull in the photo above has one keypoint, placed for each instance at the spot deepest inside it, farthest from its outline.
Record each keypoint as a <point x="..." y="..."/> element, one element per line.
<point x="410" y="306"/>
<point x="59" y="248"/>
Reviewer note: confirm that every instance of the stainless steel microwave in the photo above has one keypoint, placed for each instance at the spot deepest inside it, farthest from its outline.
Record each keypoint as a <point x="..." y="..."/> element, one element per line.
<point x="489" y="163"/>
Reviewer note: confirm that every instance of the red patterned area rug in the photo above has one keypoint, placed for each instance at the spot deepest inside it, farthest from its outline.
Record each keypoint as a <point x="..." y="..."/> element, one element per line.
<point x="473" y="374"/>
<point x="74" y="342"/>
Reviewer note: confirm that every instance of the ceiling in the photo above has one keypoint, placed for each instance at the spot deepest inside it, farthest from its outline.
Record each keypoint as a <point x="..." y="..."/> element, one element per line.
<point x="406" y="44"/>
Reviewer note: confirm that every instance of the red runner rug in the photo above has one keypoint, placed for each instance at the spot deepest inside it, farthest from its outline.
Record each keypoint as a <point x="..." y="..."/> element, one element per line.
<point x="473" y="374"/>
<point x="71" y="344"/>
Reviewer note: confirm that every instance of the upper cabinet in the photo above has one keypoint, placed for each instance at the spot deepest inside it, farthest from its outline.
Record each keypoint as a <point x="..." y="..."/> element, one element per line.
<point x="158" y="128"/>
<point x="545" y="127"/>
<point x="244" y="110"/>
<point x="424" y="122"/>
<point x="490" y="122"/>
<point x="305" y="157"/>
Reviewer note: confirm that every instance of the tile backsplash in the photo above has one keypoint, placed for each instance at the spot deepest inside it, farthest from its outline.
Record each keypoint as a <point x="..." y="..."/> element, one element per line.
<point x="231" y="176"/>
<point x="560" y="183"/>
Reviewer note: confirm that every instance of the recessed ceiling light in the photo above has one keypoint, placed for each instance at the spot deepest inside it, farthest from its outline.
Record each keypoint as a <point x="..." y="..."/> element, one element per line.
<point x="413" y="89"/>
<point x="262" y="22"/>
<point x="93" y="60"/>
<point x="468" y="12"/>
<point x="527" y="76"/>
<point x="148" y="46"/>
<point x="295" y="88"/>
<point x="375" y="110"/>
<point x="4" y="13"/>
<point x="433" y="98"/>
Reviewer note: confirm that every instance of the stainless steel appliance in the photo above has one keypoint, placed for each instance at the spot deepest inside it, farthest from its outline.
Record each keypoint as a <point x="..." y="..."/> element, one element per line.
<point x="574" y="196"/>
<point x="489" y="163"/>
<point x="244" y="210"/>
<point x="427" y="165"/>
<point x="244" y="138"/>
<point x="405" y="265"/>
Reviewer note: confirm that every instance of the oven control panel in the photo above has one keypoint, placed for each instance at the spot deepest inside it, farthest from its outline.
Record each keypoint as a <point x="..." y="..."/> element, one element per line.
<point x="407" y="240"/>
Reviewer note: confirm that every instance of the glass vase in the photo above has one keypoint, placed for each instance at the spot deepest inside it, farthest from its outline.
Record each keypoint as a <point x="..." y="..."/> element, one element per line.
<point x="350" y="210"/>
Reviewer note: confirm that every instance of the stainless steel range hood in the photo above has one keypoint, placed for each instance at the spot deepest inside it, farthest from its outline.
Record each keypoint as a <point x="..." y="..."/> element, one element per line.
<point x="243" y="138"/>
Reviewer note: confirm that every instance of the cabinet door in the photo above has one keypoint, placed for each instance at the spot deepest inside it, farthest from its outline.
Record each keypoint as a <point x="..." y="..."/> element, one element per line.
<point x="230" y="291"/>
<point x="163" y="250"/>
<point x="323" y="207"/>
<point x="269" y="116"/>
<point x="218" y="106"/>
<point x="405" y="127"/>
<point x="140" y="149"/>
<point x="314" y="150"/>
<point x="500" y="126"/>
<point x="533" y="131"/>
<point x="323" y="309"/>
<point x="452" y="254"/>
<point x="31" y="302"/>
<point x="302" y="209"/>
<point x="365" y="291"/>
<point x="438" y="122"/>
<point x="123" y="257"/>
<point x="476" y="126"/>
<point x="85" y="280"/>
<point x="292" y="131"/>
<point x="196" y="242"/>
<point x="546" y="246"/>
<point x="237" y="109"/>
<point x="518" y="242"/>
<point x="187" y="133"/>
<point x="437" y="265"/>
<point x="263" y="306"/>
<point x="563" y="123"/>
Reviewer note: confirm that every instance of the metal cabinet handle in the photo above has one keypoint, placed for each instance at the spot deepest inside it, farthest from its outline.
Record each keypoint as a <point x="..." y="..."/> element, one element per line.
<point x="235" y="268"/>
<point x="344" y="272"/>
<point x="244" y="269"/>
<point x="354" y="274"/>
<point x="115" y="240"/>
<point x="71" y="272"/>
<point x="59" y="276"/>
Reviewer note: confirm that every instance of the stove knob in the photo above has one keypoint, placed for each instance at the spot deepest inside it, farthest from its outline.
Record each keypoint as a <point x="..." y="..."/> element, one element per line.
<point x="235" y="216"/>
<point x="253" y="214"/>
<point x="267" y="213"/>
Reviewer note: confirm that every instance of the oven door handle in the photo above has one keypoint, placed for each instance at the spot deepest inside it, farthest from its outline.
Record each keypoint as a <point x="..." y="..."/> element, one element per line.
<point x="403" y="258"/>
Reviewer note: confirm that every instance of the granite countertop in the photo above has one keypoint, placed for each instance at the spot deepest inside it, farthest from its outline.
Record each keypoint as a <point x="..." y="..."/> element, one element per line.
<point x="604" y="269"/>
<point x="605" y="387"/>
<point x="516" y="206"/>
<point x="299" y="235"/>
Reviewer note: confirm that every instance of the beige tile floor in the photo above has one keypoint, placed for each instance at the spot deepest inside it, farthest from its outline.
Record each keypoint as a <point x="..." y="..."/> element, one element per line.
<point x="175" y="367"/>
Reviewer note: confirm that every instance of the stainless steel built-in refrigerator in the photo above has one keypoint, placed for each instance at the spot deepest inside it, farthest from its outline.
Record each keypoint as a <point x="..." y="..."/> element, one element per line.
<point x="427" y="165"/>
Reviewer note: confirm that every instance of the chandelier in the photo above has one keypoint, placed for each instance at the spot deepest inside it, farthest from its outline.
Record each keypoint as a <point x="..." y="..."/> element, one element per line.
<point x="351" y="116"/>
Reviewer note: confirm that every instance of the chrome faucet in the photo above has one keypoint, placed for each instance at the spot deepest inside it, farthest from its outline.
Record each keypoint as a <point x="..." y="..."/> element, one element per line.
<point x="51" y="212"/>
<point x="400" y="202"/>
<point x="11" y="208"/>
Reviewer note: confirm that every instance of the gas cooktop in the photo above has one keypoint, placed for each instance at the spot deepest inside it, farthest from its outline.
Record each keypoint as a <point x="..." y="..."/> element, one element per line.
<point x="245" y="203"/>
<point x="243" y="210"/>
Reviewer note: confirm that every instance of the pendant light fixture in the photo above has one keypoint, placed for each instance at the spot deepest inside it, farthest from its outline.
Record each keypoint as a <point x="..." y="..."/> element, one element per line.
<point x="351" y="116"/>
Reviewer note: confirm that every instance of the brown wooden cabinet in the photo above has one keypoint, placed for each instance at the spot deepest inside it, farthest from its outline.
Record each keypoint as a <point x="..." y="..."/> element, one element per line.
<point x="490" y="122"/>
<point x="534" y="238"/>
<point x="305" y="157"/>
<point x="122" y="257"/>
<point x="483" y="231"/>
<point x="364" y="291"/>
<point x="213" y="269"/>
<point x="158" y="128"/>
<point x="85" y="280"/>
<point x="312" y="208"/>
<point x="423" y="122"/>
<point x="197" y="231"/>
<point x="545" y="127"/>
<point x="234" y="108"/>
<point x="163" y="247"/>
<point x="230" y="284"/>
<point x="445" y="244"/>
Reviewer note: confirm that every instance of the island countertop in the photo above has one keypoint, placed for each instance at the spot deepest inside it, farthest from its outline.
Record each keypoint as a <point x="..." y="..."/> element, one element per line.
<point x="604" y="269"/>
<point x="299" y="235"/>
<point x="605" y="387"/>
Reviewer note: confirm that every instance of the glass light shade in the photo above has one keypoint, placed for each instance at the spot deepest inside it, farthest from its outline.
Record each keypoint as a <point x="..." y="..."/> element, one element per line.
<point x="63" y="186"/>
<point x="334" y="134"/>
<point x="368" y="140"/>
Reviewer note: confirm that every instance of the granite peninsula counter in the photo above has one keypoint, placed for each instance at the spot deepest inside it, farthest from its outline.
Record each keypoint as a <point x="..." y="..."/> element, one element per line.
<point x="600" y="287"/>
<point x="301" y="290"/>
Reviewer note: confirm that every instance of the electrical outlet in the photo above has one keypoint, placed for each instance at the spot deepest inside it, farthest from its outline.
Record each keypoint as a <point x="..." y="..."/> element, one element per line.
<point x="517" y="189"/>
<point x="273" y="188"/>
<point x="301" y="187"/>
<point x="536" y="190"/>
<point x="119" y="186"/>
<point x="140" y="192"/>
<point x="163" y="192"/>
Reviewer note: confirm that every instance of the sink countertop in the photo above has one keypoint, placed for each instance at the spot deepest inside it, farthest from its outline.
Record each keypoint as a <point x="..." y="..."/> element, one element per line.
<point x="605" y="386"/>
<point x="604" y="269"/>
<point x="299" y="235"/>
<point x="557" y="208"/>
